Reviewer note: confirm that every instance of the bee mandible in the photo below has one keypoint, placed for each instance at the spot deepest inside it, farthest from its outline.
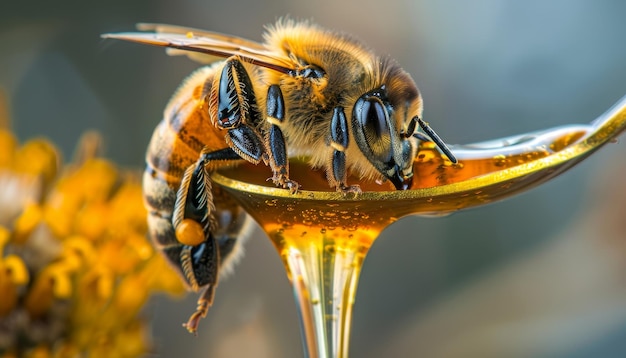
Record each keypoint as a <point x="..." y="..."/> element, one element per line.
<point x="303" y="91"/>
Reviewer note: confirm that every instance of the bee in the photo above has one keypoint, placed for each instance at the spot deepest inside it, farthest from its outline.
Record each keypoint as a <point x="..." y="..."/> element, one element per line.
<point x="303" y="91"/>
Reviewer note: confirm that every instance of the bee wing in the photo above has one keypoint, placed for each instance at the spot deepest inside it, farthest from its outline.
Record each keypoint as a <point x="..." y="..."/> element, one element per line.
<point x="205" y="46"/>
<point x="173" y="29"/>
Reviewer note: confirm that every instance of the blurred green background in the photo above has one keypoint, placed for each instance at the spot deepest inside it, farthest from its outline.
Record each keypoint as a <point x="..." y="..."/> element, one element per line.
<point x="539" y="275"/>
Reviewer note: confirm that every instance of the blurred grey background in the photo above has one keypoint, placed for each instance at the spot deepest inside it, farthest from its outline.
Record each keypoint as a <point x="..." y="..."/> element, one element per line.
<point x="539" y="275"/>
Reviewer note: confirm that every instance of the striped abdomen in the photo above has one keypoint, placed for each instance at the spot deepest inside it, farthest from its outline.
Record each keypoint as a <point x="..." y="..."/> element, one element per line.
<point x="175" y="145"/>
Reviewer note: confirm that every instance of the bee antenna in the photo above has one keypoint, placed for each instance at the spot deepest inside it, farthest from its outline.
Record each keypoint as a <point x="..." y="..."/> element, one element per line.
<point x="436" y="139"/>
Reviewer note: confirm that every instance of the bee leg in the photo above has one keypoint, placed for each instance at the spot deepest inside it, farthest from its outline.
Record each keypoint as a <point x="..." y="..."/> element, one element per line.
<point x="235" y="109"/>
<point x="193" y="217"/>
<point x="339" y="142"/>
<point x="193" y="221"/>
<point x="275" y="141"/>
<point x="247" y="143"/>
<point x="204" y="302"/>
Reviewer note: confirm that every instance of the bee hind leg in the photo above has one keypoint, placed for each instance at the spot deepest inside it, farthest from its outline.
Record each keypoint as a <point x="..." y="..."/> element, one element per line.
<point x="275" y="141"/>
<point x="193" y="217"/>
<point x="204" y="302"/>
<point x="194" y="222"/>
<point x="339" y="142"/>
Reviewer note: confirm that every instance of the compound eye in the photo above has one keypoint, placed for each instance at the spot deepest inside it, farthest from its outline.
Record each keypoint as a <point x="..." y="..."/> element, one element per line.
<point x="372" y="132"/>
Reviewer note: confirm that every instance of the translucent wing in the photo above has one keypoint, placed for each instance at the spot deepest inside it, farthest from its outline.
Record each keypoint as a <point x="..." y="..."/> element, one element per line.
<point x="204" y="46"/>
<point x="183" y="30"/>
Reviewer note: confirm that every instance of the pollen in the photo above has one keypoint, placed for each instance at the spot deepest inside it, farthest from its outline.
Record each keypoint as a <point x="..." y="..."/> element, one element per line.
<point x="189" y="232"/>
<point x="76" y="268"/>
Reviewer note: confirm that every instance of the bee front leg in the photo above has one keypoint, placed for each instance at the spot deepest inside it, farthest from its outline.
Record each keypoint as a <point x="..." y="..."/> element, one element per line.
<point x="275" y="141"/>
<point x="339" y="141"/>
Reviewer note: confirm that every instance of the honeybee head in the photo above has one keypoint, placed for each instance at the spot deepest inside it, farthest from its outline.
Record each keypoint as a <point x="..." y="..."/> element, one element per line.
<point x="380" y="135"/>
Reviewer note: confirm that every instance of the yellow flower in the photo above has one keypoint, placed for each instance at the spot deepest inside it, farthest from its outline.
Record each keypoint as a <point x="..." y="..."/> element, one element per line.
<point x="75" y="265"/>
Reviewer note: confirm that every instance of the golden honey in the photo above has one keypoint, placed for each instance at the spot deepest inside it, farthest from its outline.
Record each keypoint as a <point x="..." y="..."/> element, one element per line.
<point x="323" y="236"/>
